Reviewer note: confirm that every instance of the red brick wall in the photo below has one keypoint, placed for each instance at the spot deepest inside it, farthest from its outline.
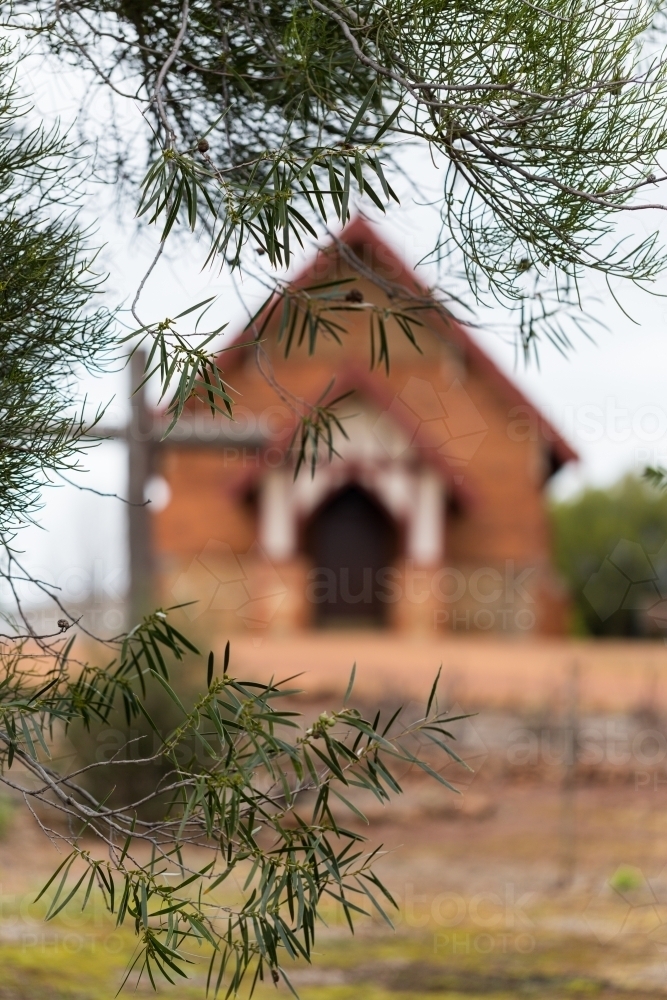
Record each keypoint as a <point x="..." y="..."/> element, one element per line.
<point x="498" y="522"/>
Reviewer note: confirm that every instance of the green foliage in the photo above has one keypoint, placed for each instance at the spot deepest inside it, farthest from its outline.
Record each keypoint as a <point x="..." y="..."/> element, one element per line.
<point x="229" y="774"/>
<point x="268" y="120"/>
<point x="245" y="788"/>
<point x="265" y="209"/>
<point x="587" y="531"/>
<point x="48" y="326"/>
<point x="656" y="477"/>
<point x="549" y="116"/>
<point x="194" y="369"/>
<point x="626" y="879"/>
<point x="310" y="311"/>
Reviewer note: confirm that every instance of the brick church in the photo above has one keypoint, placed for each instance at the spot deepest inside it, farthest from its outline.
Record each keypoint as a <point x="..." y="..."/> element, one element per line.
<point x="431" y="516"/>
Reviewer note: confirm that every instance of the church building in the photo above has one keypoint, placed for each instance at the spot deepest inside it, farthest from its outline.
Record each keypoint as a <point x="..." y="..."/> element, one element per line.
<point x="431" y="516"/>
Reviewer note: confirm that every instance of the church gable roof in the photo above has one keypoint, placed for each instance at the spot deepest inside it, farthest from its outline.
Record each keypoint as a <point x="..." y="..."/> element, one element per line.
<point x="378" y="260"/>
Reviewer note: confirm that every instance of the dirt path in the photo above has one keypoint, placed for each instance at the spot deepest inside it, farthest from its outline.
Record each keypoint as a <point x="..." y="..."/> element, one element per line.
<point x="614" y="676"/>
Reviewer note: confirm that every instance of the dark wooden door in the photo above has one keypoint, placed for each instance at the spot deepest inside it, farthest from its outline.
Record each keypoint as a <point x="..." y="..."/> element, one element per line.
<point x="350" y="541"/>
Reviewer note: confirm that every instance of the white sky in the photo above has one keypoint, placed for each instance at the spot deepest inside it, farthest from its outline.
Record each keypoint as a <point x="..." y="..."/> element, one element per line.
<point x="608" y="398"/>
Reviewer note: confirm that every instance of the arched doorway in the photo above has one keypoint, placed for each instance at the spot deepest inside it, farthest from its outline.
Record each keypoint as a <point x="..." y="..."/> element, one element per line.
<point x="350" y="540"/>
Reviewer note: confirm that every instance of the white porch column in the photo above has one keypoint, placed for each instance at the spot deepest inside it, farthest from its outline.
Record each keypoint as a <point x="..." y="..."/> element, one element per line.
<point x="426" y="535"/>
<point x="277" y="521"/>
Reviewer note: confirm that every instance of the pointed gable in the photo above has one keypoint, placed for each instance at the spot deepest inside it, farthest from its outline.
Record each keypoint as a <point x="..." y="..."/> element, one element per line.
<point x="377" y="262"/>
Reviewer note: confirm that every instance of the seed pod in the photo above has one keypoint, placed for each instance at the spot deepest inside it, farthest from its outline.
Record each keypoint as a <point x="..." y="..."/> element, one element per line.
<point x="354" y="295"/>
<point x="203" y="146"/>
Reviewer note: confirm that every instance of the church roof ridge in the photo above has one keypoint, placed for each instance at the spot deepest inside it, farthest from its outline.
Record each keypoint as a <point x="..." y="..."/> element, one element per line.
<point x="359" y="232"/>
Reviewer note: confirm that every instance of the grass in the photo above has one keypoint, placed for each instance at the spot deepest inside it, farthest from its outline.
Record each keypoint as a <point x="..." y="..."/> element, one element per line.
<point x="56" y="962"/>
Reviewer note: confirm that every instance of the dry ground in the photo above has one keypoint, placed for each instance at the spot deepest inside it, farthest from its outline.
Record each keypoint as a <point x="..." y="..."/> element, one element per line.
<point x="547" y="879"/>
<point x="490" y="906"/>
<point x="481" y="671"/>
